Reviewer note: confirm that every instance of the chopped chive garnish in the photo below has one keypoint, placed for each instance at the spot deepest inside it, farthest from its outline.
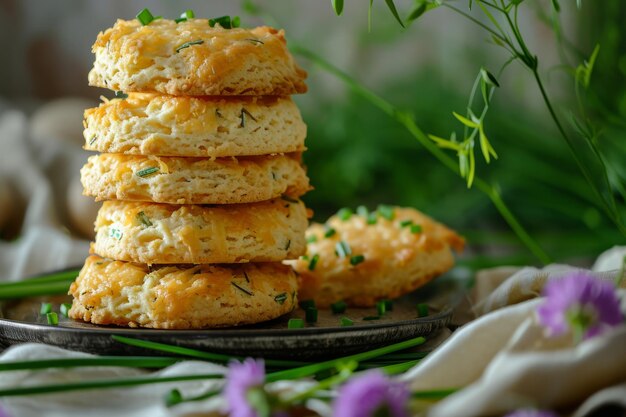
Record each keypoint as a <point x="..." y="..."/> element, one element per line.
<point x="240" y="288"/>
<point x="188" y="44"/>
<point x="52" y="318"/>
<point x="304" y="304"/>
<point x="243" y="114"/>
<point x="225" y="22"/>
<point x="405" y="223"/>
<point x="311" y="315"/>
<point x="311" y="239"/>
<point x="93" y="140"/>
<point x="281" y="298"/>
<point x="188" y="14"/>
<point x="173" y="397"/>
<point x="304" y="257"/>
<point x="143" y="219"/>
<point x="147" y="171"/>
<point x="416" y="228"/>
<point x="180" y="19"/>
<point x="338" y="307"/>
<point x="289" y="199"/>
<point x="287" y="245"/>
<point x="245" y="275"/>
<point x="422" y="310"/>
<point x="386" y="211"/>
<point x="342" y="249"/>
<point x="381" y="308"/>
<point x="145" y="17"/>
<point x="344" y="214"/>
<point x="295" y="324"/>
<point x="313" y="262"/>
<point x="388" y="305"/>
<point x="120" y="94"/>
<point x="372" y="218"/>
<point x="346" y="322"/>
<point x="65" y="309"/>
<point x="330" y="232"/>
<point x="45" y="308"/>
<point x="115" y="233"/>
<point x="370" y="318"/>
<point x="362" y="211"/>
<point x="257" y="41"/>
<point x="356" y="259"/>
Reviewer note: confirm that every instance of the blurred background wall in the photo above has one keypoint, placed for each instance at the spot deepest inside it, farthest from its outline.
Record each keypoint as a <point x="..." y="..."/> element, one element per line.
<point x="357" y="155"/>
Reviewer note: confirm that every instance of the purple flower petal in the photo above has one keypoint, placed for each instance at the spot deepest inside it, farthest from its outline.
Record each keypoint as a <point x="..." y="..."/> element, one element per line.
<point x="580" y="300"/>
<point x="4" y="412"/>
<point x="365" y="395"/>
<point x="530" y="412"/>
<point x="240" y="379"/>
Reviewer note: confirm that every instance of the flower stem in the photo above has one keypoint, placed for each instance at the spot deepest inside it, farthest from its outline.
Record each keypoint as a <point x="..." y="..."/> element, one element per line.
<point x="408" y="122"/>
<point x="434" y="394"/>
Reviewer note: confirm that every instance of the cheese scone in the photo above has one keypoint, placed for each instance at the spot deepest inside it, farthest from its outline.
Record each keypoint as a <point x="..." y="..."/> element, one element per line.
<point x="150" y="233"/>
<point x="154" y="124"/>
<point x="192" y="58"/>
<point x="175" y="180"/>
<point x="181" y="297"/>
<point x="364" y="258"/>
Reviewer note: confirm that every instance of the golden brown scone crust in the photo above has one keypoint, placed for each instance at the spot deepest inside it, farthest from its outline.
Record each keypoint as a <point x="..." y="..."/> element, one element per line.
<point x="397" y="261"/>
<point x="132" y="57"/>
<point x="181" y="297"/>
<point x="153" y="124"/>
<point x="150" y="233"/>
<point x="193" y="180"/>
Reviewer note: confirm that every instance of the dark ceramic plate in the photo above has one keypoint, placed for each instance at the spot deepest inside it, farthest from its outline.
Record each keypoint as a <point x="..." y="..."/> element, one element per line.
<point x="21" y="322"/>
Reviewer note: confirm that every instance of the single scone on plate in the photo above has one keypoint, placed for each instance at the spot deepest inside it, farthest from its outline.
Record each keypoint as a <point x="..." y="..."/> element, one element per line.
<point x="365" y="257"/>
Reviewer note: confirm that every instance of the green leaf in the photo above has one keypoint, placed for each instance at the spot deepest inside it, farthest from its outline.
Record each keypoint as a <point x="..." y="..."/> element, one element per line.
<point x="516" y="2"/>
<point x="337" y="6"/>
<point x="556" y="5"/>
<point x="489" y="77"/>
<point x="484" y="144"/>
<point x="369" y="16"/>
<point x="467" y="122"/>
<point x="445" y="143"/>
<point x="394" y="11"/>
<point x="418" y="10"/>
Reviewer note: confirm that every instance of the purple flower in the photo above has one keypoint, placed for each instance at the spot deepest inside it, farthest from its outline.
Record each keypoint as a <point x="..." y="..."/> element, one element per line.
<point x="244" y="380"/>
<point x="531" y="412"/>
<point x="581" y="303"/>
<point x="370" y="394"/>
<point x="4" y="412"/>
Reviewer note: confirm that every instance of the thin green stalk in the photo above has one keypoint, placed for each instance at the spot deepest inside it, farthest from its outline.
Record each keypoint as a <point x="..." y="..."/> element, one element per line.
<point x="39" y="279"/>
<point x="314" y="368"/>
<point x="35" y="289"/>
<point x="398" y="368"/>
<point x="434" y="394"/>
<point x="216" y="357"/>
<point x="106" y="383"/>
<point x="342" y="376"/>
<point x="408" y="122"/>
<point x="122" y="361"/>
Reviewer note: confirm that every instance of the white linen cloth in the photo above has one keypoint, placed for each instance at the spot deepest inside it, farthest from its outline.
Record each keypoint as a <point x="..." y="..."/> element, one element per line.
<point x="501" y="359"/>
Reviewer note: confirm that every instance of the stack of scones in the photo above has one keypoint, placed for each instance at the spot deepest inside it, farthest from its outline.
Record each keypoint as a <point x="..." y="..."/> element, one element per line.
<point x="200" y="169"/>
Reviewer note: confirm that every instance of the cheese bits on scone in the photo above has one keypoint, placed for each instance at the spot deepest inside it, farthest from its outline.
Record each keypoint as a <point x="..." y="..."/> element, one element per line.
<point x="152" y="124"/>
<point x="366" y="257"/>
<point x="174" y="180"/>
<point x="192" y="58"/>
<point x="200" y="169"/>
<point x="181" y="296"/>
<point x="269" y="231"/>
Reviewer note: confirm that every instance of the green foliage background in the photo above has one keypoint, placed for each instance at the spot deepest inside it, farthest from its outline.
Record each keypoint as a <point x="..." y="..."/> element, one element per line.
<point x="357" y="155"/>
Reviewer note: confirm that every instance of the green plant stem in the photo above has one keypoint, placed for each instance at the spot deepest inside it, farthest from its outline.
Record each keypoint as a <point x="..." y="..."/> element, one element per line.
<point x="359" y="357"/>
<point x="106" y="383"/>
<point x="434" y="394"/>
<point x="35" y="289"/>
<point x="408" y="122"/>
<point x="122" y="361"/>
<point x="216" y="357"/>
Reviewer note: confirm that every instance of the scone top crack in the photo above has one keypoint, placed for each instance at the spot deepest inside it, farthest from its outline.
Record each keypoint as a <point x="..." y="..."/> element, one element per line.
<point x="193" y="58"/>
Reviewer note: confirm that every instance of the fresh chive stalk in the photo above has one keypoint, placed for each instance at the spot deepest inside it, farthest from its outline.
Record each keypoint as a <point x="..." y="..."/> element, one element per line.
<point x="311" y="239"/>
<point x="295" y="324"/>
<point x="338" y="307"/>
<point x="381" y="308"/>
<point x="225" y="22"/>
<point x="330" y="232"/>
<point x="143" y="219"/>
<point x="344" y="214"/>
<point x="405" y="223"/>
<point x="416" y="228"/>
<point x="386" y="211"/>
<point x="311" y="315"/>
<point x="45" y="308"/>
<point x="422" y="310"/>
<point x="120" y="361"/>
<point x="147" y="171"/>
<point x="121" y="95"/>
<point x="304" y="304"/>
<point x="174" y="396"/>
<point x="281" y="298"/>
<point x="65" y="309"/>
<point x="356" y="259"/>
<point x="53" y="318"/>
<point x="145" y="17"/>
<point x="343" y="249"/>
<point x="346" y="322"/>
<point x="313" y="262"/>
<point x="188" y="44"/>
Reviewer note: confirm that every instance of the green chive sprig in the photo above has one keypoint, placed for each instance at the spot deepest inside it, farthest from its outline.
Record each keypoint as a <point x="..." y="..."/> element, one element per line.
<point x="295" y="324"/>
<point x="313" y="262"/>
<point x="145" y="17"/>
<point x="226" y="22"/>
<point x="188" y="44"/>
<point x="338" y="307"/>
<point x="343" y="249"/>
<point x="142" y="173"/>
